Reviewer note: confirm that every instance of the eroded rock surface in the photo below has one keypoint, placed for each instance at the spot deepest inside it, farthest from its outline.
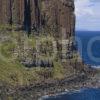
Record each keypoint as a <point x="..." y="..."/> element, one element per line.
<point x="55" y="15"/>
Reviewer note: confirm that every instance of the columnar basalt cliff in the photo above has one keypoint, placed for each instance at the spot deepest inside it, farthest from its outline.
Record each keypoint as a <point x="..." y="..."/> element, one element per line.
<point x="37" y="14"/>
<point x="51" y="24"/>
<point x="60" y="14"/>
<point x="11" y="12"/>
<point x="44" y="61"/>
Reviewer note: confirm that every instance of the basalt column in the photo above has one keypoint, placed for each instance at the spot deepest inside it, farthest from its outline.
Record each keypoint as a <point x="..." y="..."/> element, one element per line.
<point x="59" y="16"/>
<point x="66" y="18"/>
<point x="18" y="12"/>
<point x="36" y="14"/>
<point x="12" y="12"/>
<point x="27" y="16"/>
<point x="50" y="16"/>
<point x="1" y="12"/>
<point x="5" y="12"/>
<point x="56" y="15"/>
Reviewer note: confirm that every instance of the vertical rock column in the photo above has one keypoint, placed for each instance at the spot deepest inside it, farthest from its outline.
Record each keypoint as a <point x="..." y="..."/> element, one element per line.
<point x="58" y="14"/>
<point x="32" y="8"/>
<point x="5" y="12"/>
<point x="50" y="10"/>
<point x="18" y="12"/>
<point x="0" y="11"/>
<point x="21" y="12"/>
<point x="12" y="12"/>
<point x="65" y="22"/>
<point x="27" y="16"/>
<point x="35" y="12"/>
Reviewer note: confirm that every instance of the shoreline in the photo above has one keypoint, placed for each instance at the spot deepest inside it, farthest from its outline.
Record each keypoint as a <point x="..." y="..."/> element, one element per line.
<point x="66" y="92"/>
<point x="51" y="88"/>
<point x="86" y="78"/>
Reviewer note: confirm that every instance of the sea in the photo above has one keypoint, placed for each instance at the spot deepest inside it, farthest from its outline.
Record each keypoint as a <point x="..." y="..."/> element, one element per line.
<point x="83" y="94"/>
<point x="88" y="46"/>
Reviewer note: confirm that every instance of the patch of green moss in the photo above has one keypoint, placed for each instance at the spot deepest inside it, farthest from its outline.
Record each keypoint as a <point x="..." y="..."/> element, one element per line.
<point x="31" y="42"/>
<point x="58" y="70"/>
<point x="15" y="74"/>
<point x="7" y="48"/>
<point x="7" y="27"/>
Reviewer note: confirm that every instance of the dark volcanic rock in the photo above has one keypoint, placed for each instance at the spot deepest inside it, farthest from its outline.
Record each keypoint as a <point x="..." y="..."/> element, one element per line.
<point x="56" y="15"/>
<point x="11" y="12"/>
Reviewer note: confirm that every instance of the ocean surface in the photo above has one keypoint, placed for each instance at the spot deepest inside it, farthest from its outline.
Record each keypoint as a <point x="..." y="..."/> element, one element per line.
<point x="83" y="94"/>
<point x="88" y="45"/>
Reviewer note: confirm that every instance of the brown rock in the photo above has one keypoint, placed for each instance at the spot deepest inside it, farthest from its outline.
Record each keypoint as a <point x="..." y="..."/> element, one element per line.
<point x="57" y="15"/>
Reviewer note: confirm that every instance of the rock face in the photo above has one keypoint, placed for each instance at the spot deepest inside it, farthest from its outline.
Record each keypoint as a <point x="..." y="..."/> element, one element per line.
<point x="56" y="15"/>
<point x="60" y="15"/>
<point x="11" y="12"/>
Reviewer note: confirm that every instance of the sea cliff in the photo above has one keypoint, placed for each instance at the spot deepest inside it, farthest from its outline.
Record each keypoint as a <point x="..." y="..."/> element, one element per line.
<point x="38" y="53"/>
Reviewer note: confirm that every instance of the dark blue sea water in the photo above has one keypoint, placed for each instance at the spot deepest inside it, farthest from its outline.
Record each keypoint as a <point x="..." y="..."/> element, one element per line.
<point x="85" y="94"/>
<point x="88" y="44"/>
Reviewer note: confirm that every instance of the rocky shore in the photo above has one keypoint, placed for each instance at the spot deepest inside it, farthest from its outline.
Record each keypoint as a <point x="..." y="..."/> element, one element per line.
<point x="49" y="87"/>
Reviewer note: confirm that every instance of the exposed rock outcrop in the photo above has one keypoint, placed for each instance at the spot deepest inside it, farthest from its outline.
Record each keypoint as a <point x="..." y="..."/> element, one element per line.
<point x="55" y="15"/>
<point x="11" y="12"/>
